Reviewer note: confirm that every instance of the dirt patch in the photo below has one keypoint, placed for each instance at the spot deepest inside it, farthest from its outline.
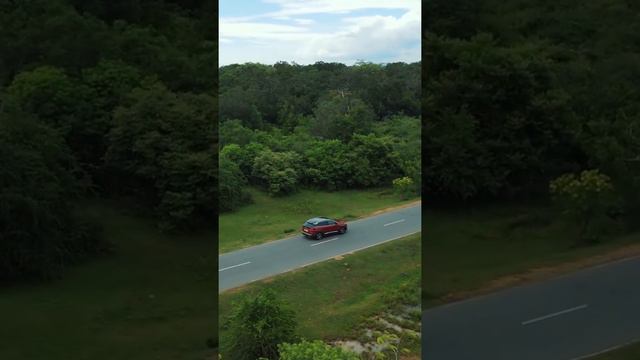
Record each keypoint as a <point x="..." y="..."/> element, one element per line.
<point x="269" y="279"/>
<point x="235" y="290"/>
<point x="394" y="322"/>
<point x="339" y="257"/>
<point x="245" y="286"/>
<point x="544" y="273"/>
<point x="390" y="325"/>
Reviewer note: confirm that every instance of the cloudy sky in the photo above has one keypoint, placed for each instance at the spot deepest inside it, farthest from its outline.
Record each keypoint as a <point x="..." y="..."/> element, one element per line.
<point x="306" y="31"/>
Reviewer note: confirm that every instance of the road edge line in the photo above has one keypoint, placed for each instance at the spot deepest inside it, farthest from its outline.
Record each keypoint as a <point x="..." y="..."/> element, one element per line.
<point x="495" y="292"/>
<point x="318" y="261"/>
<point x="365" y="217"/>
<point x="610" y="349"/>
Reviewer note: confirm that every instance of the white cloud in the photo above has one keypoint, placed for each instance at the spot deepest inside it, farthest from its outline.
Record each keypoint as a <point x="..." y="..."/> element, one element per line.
<point x="304" y="21"/>
<point x="299" y="7"/>
<point x="364" y="37"/>
<point x="300" y="40"/>
<point x="260" y="30"/>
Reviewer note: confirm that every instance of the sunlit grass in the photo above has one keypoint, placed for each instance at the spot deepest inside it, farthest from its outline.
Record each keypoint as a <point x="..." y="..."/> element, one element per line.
<point x="272" y="218"/>
<point x="333" y="298"/>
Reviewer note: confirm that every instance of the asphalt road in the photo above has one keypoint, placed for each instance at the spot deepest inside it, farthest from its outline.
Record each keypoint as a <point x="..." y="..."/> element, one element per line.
<point x="566" y="318"/>
<point x="258" y="262"/>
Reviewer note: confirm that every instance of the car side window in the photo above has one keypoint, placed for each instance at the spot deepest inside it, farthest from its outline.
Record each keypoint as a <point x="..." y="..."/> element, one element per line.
<point x="324" y="223"/>
<point x="330" y="222"/>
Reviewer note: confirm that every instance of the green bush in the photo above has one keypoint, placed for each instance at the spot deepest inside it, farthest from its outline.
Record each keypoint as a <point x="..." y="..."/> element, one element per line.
<point x="314" y="350"/>
<point x="257" y="325"/>
<point x="277" y="171"/>
<point x="40" y="234"/>
<point x="404" y="187"/>
<point x="232" y="193"/>
<point x="585" y="198"/>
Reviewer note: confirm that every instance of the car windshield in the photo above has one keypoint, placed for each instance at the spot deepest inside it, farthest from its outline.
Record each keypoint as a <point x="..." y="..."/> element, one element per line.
<point x="312" y="222"/>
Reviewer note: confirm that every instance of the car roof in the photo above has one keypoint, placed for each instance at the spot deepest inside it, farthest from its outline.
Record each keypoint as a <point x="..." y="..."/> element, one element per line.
<point x="318" y="218"/>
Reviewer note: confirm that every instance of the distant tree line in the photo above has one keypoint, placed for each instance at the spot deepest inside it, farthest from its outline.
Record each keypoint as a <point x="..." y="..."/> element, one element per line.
<point x="519" y="93"/>
<point x="101" y="98"/>
<point x="326" y="125"/>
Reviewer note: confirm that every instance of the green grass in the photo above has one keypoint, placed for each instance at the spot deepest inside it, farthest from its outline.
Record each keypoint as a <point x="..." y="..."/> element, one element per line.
<point x="270" y="218"/>
<point x="333" y="298"/>
<point x="467" y="249"/>
<point x="154" y="298"/>
<point x="630" y="352"/>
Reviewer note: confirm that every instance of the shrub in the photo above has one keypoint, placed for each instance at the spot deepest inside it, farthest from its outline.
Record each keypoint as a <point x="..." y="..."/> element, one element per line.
<point x="277" y="171"/>
<point x="314" y="350"/>
<point x="404" y="187"/>
<point x="257" y="325"/>
<point x="585" y="198"/>
<point x="232" y="193"/>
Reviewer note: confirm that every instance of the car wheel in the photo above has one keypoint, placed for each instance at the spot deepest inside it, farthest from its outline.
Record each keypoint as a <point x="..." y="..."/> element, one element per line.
<point x="343" y="230"/>
<point x="318" y="236"/>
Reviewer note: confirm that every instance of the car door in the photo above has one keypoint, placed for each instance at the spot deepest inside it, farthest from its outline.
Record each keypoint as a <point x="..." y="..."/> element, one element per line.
<point x="332" y="226"/>
<point x="323" y="226"/>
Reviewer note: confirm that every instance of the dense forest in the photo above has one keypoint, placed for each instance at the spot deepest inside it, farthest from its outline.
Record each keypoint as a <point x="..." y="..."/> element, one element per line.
<point x="325" y="126"/>
<point x="518" y="93"/>
<point x="112" y="99"/>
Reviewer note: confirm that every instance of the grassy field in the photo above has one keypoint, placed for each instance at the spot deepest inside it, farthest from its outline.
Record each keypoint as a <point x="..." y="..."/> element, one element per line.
<point x="271" y="218"/>
<point x="154" y="298"/>
<point x="631" y="352"/>
<point x="332" y="298"/>
<point x="467" y="249"/>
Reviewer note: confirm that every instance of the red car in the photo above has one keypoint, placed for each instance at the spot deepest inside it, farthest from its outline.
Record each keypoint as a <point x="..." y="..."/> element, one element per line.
<point x="320" y="226"/>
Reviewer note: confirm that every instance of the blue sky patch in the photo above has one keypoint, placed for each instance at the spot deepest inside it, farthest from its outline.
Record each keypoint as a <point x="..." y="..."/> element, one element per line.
<point x="307" y="31"/>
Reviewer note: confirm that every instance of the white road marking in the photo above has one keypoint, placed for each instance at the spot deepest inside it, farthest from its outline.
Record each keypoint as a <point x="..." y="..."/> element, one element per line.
<point x="588" y="356"/>
<point x="321" y="260"/>
<point x="326" y="241"/>
<point x="394" y="222"/>
<point x="231" y="267"/>
<point x="554" y="314"/>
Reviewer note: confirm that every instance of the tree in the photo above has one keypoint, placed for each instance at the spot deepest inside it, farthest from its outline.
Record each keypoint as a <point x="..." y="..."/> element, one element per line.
<point x="49" y="93"/>
<point x="164" y="143"/>
<point x="314" y="350"/>
<point x="456" y="18"/>
<point x="73" y="41"/>
<point x="405" y="134"/>
<point x="244" y="157"/>
<point x="499" y="122"/>
<point x="288" y="118"/>
<point x="257" y="325"/>
<point x="373" y="160"/>
<point x="328" y="164"/>
<point x="66" y="66"/>
<point x="613" y="144"/>
<point x="40" y="233"/>
<point x="341" y="115"/>
<point x="187" y="191"/>
<point x="232" y="183"/>
<point x="233" y="132"/>
<point x="277" y="171"/>
<point x="107" y="84"/>
<point x="404" y="187"/>
<point x="585" y="198"/>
